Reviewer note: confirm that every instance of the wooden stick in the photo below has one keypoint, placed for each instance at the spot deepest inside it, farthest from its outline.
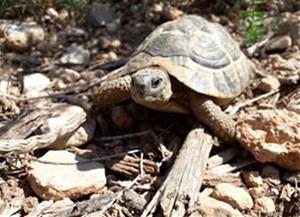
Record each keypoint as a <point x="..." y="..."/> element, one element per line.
<point x="179" y="191"/>
<point x="234" y="109"/>
<point x="227" y="168"/>
<point x="222" y="157"/>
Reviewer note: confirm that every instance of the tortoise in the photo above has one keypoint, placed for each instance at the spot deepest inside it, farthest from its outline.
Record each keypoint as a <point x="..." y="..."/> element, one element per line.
<point x="188" y="65"/>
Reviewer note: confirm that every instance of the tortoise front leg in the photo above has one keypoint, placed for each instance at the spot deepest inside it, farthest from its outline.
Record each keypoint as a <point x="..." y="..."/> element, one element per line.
<point x="112" y="92"/>
<point x="221" y="124"/>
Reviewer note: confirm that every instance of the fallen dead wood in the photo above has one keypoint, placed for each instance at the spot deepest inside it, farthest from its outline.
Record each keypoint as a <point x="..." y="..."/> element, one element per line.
<point x="222" y="157"/>
<point x="134" y="200"/>
<point x="129" y="166"/>
<point x="179" y="191"/>
<point x="62" y="120"/>
<point x="211" y="179"/>
<point x="24" y="126"/>
<point x="227" y="168"/>
<point x="77" y="209"/>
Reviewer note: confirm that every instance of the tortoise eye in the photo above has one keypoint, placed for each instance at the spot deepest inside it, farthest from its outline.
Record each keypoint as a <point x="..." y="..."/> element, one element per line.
<point x="155" y="82"/>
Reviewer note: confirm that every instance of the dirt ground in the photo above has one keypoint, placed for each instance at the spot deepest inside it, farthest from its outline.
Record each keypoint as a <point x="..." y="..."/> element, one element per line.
<point x="127" y="126"/>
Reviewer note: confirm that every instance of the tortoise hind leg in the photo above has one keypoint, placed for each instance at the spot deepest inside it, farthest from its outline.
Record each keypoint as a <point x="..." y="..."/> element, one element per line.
<point x="112" y="92"/>
<point x="221" y="124"/>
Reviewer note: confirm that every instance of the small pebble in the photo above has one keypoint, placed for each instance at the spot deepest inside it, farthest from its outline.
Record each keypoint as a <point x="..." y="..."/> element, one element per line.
<point x="268" y="84"/>
<point x="252" y="178"/>
<point x="264" y="205"/>
<point x="235" y="196"/>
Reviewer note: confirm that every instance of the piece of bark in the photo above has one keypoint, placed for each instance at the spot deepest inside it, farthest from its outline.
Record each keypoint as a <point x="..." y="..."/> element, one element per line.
<point x="24" y="125"/>
<point x="134" y="200"/>
<point x="38" y="210"/>
<point x="227" y="168"/>
<point x="51" y="130"/>
<point x="179" y="191"/>
<point x="222" y="157"/>
<point x="77" y="209"/>
<point x="211" y="179"/>
<point x="129" y="166"/>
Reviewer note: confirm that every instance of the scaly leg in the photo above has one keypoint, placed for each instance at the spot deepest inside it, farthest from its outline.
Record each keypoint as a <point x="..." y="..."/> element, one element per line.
<point x="221" y="124"/>
<point x="112" y="92"/>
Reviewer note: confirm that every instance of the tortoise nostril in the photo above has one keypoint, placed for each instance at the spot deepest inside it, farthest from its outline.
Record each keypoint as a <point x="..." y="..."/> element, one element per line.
<point x="155" y="82"/>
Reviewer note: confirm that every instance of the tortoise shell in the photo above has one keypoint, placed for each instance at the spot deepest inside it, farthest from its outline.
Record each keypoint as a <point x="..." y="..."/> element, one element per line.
<point x="200" y="54"/>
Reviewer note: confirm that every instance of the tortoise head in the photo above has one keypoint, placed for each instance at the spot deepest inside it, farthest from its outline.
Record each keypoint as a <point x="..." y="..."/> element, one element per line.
<point x="151" y="85"/>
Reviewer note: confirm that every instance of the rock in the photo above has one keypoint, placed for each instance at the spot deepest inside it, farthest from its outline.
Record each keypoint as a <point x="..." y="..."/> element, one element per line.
<point x="291" y="27"/>
<point x="35" y="33"/>
<point x="83" y="134"/>
<point x="22" y="37"/>
<point x="70" y="76"/>
<point x="72" y="34"/>
<point x="171" y="13"/>
<point x="287" y="192"/>
<point x="76" y="55"/>
<point x="66" y="122"/>
<point x="287" y="71"/>
<point x="257" y="192"/>
<point x="271" y="175"/>
<point x="52" y="13"/>
<point x="72" y="180"/>
<point x="18" y="41"/>
<point x="235" y="196"/>
<point x="108" y="43"/>
<point x="278" y="43"/>
<point x="121" y="118"/>
<point x="268" y="84"/>
<point x="63" y="14"/>
<point x="210" y="207"/>
<point x="110" y="56"/>
<point x="116" y="43"/>
<point x="158" y="7"/>
<point x="5" y="84"/>
<point x="98" y="15"/>
<point x="26" y="60"/>
<point x="295" y="32"/>
<point x="252" y="178"/>
<point x="264" y="205"/>
<point x="87" y="75"/>
<point x="271" y="136"/>
<point x="36" y="82"/>
<point x="114" y="25"/>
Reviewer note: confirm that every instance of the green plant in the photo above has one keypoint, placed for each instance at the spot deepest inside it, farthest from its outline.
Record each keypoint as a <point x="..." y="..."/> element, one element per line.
<point x="252" y="22"/>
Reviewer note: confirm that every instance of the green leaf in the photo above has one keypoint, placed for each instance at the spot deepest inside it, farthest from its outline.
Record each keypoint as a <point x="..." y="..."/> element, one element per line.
<point x="257" y="2"/>
<point x="259" y="14"/>
<point x="245" y="13"/>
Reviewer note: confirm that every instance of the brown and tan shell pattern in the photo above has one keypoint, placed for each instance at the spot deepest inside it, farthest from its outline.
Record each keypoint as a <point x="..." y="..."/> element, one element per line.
<point x="200" y="54"/>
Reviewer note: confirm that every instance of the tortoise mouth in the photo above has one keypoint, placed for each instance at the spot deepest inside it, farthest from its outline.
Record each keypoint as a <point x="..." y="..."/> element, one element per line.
<point x="150" y="100"/>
